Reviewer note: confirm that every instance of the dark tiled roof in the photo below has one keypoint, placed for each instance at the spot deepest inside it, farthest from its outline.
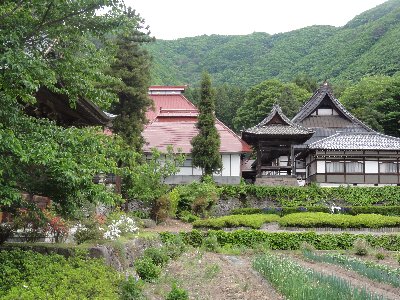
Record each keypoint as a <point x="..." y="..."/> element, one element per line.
<point x="276" y="123"/>
<point x="357" y="141"/>
<point x="312" y="104"/>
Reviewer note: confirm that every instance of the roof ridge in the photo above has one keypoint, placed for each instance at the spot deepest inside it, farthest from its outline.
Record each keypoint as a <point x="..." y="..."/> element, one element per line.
<point x="317" y="98"/>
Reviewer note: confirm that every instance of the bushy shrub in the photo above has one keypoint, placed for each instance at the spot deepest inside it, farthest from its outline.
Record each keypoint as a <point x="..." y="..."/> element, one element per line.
<point x="188" y="217"/>
<point x="160" y="209"/>
<point x="132" y="289"/>
<point x="380" y="255"/>
<point x="120" y="225"/>
<point x="361" y="247"/>
<point x="88" y="230"/>
<point x="287" y="240"/>
<point x="210" y="243"/>
<point x="174" y="246"/>
<point x="177" y="294"/>
<point x="146" y="269"/>
<point x="246" y="211"/>
<point x="315" y="195"/>
<point x="157" y="255"/>
<point x="31" y="275"/>
<point x="197" y="197"/>
<point x="338" y="220"/>
<point x="253" y="221"/>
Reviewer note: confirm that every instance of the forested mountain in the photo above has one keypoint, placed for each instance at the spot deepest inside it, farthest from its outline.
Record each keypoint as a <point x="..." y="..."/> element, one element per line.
<point x="367" y="45"/>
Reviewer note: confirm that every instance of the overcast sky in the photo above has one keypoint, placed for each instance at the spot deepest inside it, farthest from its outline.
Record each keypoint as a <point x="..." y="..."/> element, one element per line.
<point x="172" y="19"/>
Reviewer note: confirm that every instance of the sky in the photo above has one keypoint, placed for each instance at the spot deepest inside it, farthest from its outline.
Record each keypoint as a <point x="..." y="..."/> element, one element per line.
<point x="172" y="19"/>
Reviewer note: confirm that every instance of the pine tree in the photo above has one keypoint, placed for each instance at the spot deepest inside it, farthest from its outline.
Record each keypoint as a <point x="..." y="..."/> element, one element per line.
<point x="132" y="65"/>
<point x="205" y="151"/>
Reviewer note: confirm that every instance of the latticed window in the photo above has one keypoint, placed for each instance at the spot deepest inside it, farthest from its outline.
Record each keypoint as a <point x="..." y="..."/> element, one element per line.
<point x="334" y="167"/>
<point x="388" y="167"/>
<point x="354" y="167"/>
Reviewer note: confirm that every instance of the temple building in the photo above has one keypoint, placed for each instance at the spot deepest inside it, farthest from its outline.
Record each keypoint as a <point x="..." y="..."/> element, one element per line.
<point x="173" y="123"/>
<point x="340" y="149"/>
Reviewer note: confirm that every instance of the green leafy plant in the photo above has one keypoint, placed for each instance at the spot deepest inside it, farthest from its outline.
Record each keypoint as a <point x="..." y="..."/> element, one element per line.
<point x="146" y="269"/>
<point x="361" y="247"/>
<point x="188" y="217"/>
<point x="157" y="255"/>
<point x="88" y="230"/>
<point x="177" y="294"/>
<point x="31" y="275"/>
<point x="297" y="282"/>
<point x="132" y="289"/>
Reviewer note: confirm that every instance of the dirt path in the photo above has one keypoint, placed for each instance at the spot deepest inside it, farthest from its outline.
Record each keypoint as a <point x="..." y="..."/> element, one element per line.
<point x="213" y="276"/>
<point x="356" y="280"/>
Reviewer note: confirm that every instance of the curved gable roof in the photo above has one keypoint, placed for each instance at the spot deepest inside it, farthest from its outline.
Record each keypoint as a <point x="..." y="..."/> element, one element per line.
<point x="325" y="92"/>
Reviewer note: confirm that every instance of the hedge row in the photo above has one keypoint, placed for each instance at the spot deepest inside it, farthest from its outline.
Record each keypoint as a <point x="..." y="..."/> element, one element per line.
<point x="253" y="221"/>
<point x="338" y="221"/>
<point x="302" y="220"/>
<point x="287" y="240"/>
<point x="350" y="210"/>
<point x="315" y="195"/>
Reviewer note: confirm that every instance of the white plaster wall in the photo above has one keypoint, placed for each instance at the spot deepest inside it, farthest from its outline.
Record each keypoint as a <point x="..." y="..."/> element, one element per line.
<point x="320" y="167"/>
<point x="235" y="166"/>
<point x="185" y="171"/>
<point x="371" y="167"/>
<point x="226" y="165"/>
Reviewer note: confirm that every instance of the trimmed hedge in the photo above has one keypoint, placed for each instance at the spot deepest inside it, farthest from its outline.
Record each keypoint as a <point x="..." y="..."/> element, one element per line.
<point x="350" y="210"/>
<point x="338" y="220"/>
<point x="315" y="195"/>
<point x="253" y="221"/>
<point x="287" y="240"/>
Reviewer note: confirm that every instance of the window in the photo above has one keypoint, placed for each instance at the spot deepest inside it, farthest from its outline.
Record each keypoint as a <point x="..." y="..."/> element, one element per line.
<point x="388" y="167"/>
<point x="354" y="167"/>
<point x="334" y="167"/>
<point x="187" y="162"/>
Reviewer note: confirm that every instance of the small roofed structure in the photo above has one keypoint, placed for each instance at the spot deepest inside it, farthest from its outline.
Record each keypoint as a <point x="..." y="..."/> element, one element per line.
<point x="273" y="138"/>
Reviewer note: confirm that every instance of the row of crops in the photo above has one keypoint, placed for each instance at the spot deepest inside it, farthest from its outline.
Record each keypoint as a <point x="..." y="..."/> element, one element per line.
<point x="297" y="282"/>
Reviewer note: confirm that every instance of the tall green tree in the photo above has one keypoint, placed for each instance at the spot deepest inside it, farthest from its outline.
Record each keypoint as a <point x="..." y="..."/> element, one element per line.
<point x="132" y="66"/>
<point x="47" y="43"/>
<point x="376" y="101"/>
<point x="206" y="144"/>
<point x="260" y="99"/>
<point x="228" y="99"/>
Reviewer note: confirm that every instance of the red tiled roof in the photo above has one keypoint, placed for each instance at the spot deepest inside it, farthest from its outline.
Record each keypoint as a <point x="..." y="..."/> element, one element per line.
<point x="179" y="132"/>
<point x="172" y="101"/>
<point x="167" y="88"/>
<point x="173" y="122"/>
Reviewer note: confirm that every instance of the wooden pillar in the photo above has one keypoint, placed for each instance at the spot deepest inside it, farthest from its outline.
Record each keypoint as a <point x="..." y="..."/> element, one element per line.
<point x="292" y="162"/>
<point x="259" y="154"/>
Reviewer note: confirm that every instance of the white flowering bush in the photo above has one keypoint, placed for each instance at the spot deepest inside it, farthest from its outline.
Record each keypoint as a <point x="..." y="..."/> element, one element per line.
<point x="121" y="226"/>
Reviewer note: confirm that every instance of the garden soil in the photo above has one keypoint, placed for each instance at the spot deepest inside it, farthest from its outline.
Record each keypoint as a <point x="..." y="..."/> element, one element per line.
<point x="211" y="276"/>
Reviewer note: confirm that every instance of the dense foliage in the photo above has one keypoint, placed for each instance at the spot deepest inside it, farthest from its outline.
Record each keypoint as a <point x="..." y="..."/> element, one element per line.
<point x="253" y="221"/>
<point x="287" y="240"/>
<point x="297" y="282"/>
<point x="30" y="275"/>
<point x="132" y="65"/>
<point x="319" y="219"/>
<point x="260" y="98"/>
<point x="376" y="101"/>
<point x="205" y="145"/>
<point x="351" y="210"/>
<point x="55" y="45"/>
<point x="315" y="195"/>
<point x="323" y="52"/>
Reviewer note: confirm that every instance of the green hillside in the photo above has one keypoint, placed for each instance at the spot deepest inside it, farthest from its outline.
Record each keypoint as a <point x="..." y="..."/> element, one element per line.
<point x="367" y="45"/>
